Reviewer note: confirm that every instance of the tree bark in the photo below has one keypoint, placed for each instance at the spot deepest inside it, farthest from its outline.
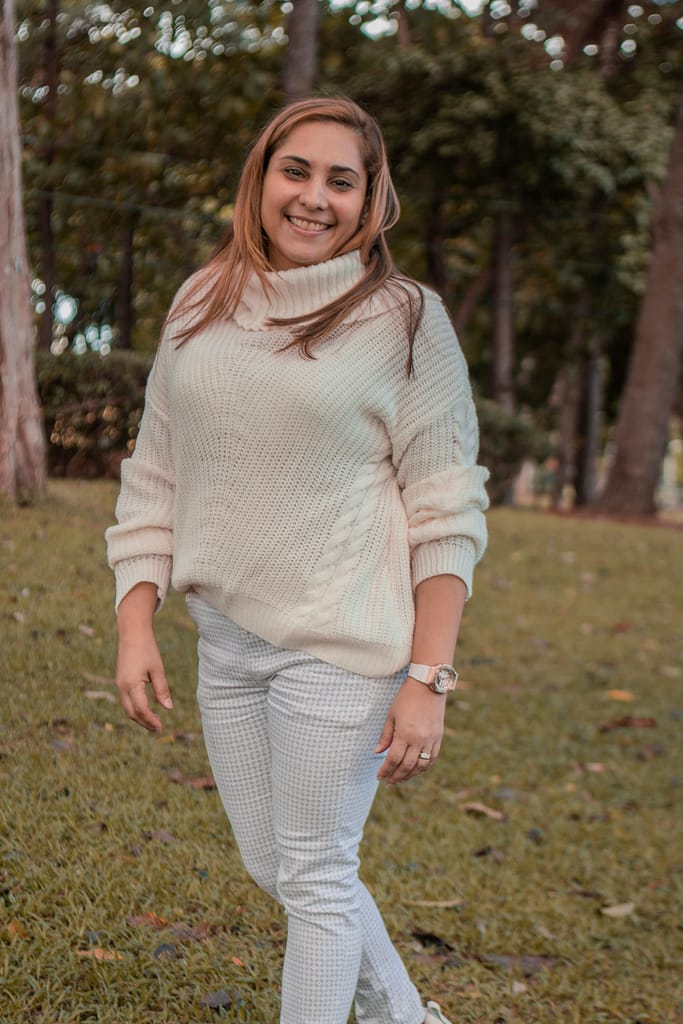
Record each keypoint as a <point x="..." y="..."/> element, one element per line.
<point x="503" y="319"/>
<point x="435" y="240"/>
<point x="655" y="364"/>
<point x="22" y="442"/>
<point x="46" y="201"/>
<point x="474" y="292"/>
<point x="124" y="296"/>
<point x="301" y="57"/>
<point x="590" y="424"/>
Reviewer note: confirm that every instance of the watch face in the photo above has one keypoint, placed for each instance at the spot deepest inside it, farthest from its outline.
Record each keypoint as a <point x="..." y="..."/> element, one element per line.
<point x="445" y="679"/>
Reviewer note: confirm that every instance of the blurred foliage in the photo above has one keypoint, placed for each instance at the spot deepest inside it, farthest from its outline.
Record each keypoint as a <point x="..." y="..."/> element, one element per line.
<point x="156" y="106"/>
<point x="92" y="407"/>
<point x="506" y="441"/>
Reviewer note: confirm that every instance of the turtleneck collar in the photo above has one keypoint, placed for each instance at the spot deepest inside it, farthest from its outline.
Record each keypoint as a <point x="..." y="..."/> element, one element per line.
<point x="297" y="292"/>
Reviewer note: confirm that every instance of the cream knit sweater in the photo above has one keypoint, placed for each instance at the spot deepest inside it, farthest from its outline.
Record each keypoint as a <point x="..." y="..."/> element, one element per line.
<point x="305" y="499"/>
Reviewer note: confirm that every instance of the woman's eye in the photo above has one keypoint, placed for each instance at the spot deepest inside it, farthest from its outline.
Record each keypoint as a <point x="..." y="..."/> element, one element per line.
<point x="294" y="172"/>
<point x="342" y="184"/>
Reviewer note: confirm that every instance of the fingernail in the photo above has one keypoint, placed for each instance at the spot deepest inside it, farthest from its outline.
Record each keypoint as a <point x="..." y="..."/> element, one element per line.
<point x="167" y="703"/>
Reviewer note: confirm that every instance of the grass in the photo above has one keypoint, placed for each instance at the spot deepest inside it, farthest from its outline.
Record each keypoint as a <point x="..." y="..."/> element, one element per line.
<point x="94" y="835"/>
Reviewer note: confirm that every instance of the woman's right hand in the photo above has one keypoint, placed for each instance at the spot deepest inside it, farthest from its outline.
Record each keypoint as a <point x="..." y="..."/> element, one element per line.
<point x="139" y="662"/>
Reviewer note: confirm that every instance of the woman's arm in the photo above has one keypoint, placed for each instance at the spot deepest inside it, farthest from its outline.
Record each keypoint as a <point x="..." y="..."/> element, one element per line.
<point x="415" y="719"/>
<point x="139" y="661"/>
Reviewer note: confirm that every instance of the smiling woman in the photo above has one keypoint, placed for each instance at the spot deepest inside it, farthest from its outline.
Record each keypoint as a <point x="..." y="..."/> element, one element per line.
<point x="323" y="516"/>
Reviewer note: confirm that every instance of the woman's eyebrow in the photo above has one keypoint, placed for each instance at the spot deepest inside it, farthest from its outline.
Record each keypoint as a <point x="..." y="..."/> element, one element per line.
<point x="335" y="168"/>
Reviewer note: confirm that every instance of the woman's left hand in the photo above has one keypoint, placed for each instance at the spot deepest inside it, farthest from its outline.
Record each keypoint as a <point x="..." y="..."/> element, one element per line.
<point x="414" y="725"/>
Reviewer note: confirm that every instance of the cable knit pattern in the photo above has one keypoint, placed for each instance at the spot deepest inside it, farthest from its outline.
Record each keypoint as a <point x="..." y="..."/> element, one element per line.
<point x="305" y="499"/>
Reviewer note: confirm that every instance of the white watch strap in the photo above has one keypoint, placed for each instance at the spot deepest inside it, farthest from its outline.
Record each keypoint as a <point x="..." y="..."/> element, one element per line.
<point x="419" y="672"/>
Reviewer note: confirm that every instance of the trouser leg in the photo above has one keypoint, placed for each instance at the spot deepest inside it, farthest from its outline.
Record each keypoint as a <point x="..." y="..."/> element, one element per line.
<point x="293" y="759"/>
<point x="324" y="725"/>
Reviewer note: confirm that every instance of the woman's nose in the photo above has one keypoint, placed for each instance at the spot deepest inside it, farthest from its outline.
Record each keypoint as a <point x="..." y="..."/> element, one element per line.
<point x="314" y="194"/>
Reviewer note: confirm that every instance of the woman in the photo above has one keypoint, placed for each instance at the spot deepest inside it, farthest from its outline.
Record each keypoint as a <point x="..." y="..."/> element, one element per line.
<point x="305" y="472"/>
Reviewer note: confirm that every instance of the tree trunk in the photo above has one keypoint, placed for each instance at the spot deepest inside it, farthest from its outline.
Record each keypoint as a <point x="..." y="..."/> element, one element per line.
<point x="655" y="364"/>
<point x="590" y="424"/>
<point x="22" y="443"/>
<point x="405" y="39"/>
<point x="301" y="57"/>
<point x="567" y="396"/>
<point x="503" y="320"/>
<point x="124" y="296"/>
<point x="474" y="293"/>
<point x="46" y="201"/>
<point x="435" y="240"/>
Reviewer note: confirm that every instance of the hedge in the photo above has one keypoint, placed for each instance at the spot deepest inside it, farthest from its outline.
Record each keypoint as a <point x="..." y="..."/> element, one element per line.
<point x="92" y="406"/>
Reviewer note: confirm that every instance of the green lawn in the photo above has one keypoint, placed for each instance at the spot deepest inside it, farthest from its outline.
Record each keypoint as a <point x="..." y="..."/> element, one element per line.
<point x="123" y="898"/>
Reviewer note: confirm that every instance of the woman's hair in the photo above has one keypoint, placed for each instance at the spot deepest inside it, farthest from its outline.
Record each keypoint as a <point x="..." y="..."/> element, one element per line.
<point x="243" y="250"/>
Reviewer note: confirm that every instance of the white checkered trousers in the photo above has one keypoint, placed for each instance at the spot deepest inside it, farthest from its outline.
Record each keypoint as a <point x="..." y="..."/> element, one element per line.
<point x="291" y="744"/>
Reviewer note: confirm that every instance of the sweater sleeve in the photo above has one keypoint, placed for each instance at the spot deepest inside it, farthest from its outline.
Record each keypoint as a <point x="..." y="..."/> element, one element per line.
<point x="139" y="546"/>
<point x="435" y="441"/>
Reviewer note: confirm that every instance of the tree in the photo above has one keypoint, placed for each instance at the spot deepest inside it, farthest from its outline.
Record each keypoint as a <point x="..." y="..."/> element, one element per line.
<point x="657" y="355"/>
<point x="22" y="445"/>
<point x="301" y="59"/>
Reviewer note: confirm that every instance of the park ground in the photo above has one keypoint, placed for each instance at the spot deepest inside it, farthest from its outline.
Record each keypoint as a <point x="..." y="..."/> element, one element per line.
<point x="533" y="875"/>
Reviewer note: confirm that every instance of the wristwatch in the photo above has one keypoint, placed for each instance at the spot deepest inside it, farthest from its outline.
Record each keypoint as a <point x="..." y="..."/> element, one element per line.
<point x="439" y="678"/>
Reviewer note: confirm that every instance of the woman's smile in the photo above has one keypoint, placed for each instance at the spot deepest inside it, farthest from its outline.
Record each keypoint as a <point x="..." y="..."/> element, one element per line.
<point x="307" y="225"/>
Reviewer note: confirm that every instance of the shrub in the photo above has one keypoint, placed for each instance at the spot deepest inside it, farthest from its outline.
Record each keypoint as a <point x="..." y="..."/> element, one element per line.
<point x="506" y="441"/>
<point x="92" y="406"/>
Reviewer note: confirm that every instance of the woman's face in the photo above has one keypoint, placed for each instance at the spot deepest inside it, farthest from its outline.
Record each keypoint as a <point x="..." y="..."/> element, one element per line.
<point x="313" y="194"/>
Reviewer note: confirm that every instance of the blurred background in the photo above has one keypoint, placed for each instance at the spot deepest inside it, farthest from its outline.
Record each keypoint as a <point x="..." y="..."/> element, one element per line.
<point x="537" y="147"/>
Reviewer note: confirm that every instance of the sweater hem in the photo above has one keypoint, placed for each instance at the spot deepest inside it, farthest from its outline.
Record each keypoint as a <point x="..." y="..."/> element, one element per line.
<point x="362" y="657"/>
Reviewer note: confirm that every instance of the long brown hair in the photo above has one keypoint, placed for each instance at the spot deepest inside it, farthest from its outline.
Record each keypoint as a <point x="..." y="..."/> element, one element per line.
<point x="244" y="249"/>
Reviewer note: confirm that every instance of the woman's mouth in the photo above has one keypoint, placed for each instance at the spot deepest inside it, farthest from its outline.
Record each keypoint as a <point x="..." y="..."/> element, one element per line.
<point x="307" y="225"/>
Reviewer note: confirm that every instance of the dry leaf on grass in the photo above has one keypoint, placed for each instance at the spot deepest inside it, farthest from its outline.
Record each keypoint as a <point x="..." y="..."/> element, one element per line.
<point x="443" y="904"/>
<point x="431" y="939"/>
<point x="475" y="807"/>
<point x="161" y="835"/>
<point x="148" y="920"/>
<point x="181" y="931"/>
<point x="100" y="954"/>
<point x="206" y="782"/>
<point x="628" y="722"/>
<point x="16" y="930"/>
<point x="624" y="695"/>
<point x="86" y="630"/>
<point x="524" y="962"/>
<point x="90" y="677"/>
<point x="221" y="1000"/>
<point x="100" y="695"/>
<point x="618" y="910"/>
<point x="64" y="746"/>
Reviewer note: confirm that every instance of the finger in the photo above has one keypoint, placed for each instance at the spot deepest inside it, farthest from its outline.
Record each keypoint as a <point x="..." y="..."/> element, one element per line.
<point x="386" y="736"/>
<point x="401" y="768"/>
<point x="392" y="762"/>
<point x="161" y="689"/>
<point x="140" y="711"/>
<point x="423" y="763"/>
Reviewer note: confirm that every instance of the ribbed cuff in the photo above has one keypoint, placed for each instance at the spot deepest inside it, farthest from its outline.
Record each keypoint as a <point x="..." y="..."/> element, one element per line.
<point x="454" y="556"/>
<point x="143" y="569"/>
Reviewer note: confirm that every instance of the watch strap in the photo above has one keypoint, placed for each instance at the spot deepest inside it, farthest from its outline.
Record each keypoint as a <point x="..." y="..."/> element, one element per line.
<point x="419" y="672"/>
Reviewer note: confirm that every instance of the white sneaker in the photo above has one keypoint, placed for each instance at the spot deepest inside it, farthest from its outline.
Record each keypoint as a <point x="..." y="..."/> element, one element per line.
<point x="434" y="1014"/>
